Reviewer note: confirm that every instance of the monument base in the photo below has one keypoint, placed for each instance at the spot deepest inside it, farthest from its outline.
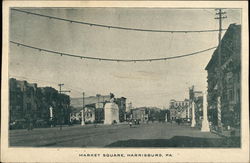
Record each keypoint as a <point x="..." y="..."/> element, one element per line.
<point x="205" y="126"/>
<point x="111" y="113"/>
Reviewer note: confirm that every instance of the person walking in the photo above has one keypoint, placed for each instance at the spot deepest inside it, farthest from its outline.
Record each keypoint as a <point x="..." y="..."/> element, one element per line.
<point x="130" y="124"/>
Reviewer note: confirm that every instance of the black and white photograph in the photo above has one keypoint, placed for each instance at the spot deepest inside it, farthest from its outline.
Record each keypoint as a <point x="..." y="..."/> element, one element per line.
<point x="125" y="77"/>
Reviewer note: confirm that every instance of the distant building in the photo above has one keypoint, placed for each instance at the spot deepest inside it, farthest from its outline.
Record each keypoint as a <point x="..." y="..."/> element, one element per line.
<point x="141" y="114"/>
<point x="98" y="100"/>
<point x="121" y="102"/>
<point x="197" y="98"/>
<point x="75" y="116"/>
<point x="129" y="107"/>
<point x="145" y="114"/>
<point x="231" y="79"/>
<point x="179" y="109"/>
<point x="97" y="103"/>
<point x="89" y="114"/>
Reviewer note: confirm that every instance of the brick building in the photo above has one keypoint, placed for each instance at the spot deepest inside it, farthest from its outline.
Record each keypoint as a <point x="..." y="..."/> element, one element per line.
<point x="31" y="103"/>
<point x="22" y="100"/>
<point x="231" y="79"/>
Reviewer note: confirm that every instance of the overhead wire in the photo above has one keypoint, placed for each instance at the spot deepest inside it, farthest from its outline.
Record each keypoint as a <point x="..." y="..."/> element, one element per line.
<point x="115" y="27"/>
<point x="111" y="59"/>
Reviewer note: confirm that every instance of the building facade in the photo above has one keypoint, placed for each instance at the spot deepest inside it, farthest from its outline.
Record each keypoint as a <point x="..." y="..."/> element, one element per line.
<point x="230" y="77"/>
<point x="89" y="114"/>
<point x="179" y="109"/>
<point x="22" y="100"/>
<point x="121" y="102"/>
<point x="31" y="104"/>
<point x="141" y="114"/>
<point x="98" y="102"/>
<point x="197" y="98"/>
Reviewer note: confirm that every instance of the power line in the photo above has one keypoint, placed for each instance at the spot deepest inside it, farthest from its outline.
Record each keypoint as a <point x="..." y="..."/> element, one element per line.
<point x="111" y="59"/>
<point x="115" y="27"/>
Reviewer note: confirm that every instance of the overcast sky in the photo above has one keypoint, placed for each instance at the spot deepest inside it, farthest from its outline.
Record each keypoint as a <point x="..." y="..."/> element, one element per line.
<point x="144" y="84"/>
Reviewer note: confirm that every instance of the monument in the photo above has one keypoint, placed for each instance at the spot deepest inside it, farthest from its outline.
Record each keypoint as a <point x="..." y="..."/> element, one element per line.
<point x="193" y="115"/>
<point x="205" y="123"/>
<point x="51" y="116"/>
<point x="111" y="111"/>
<point x="83" y="120"/>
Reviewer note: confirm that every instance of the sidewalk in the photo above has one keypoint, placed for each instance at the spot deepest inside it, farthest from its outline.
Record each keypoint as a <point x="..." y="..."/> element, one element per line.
<point x="234" y="132"/>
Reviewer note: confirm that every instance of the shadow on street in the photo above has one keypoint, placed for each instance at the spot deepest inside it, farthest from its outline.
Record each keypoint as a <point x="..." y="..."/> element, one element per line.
<point x="180" y="141"/>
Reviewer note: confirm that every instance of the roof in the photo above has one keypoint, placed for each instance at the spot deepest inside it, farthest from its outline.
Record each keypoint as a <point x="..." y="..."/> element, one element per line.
<point x="233" y="29"/>
<point x="78" y="102"/>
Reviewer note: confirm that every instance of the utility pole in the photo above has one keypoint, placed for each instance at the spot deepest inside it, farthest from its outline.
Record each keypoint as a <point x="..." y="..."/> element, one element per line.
<point x="221" y="16"/>
<point x="83" y="114"/>
<point x="60" y="101"/>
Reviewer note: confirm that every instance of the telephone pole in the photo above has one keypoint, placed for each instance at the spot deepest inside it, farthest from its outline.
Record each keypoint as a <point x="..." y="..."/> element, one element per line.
<point x="220" y="15"/>
<point x="60" y="101"/>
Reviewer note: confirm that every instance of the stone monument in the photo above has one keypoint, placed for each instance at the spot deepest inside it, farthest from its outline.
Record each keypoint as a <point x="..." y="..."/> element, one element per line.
<point x="205" y="123"/>
<point x="193" y="115"/>
<point x="51" y="115"/>
<point x="111" y="111"/>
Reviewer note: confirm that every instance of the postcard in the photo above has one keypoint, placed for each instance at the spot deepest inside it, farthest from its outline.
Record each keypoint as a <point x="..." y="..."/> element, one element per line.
<point x="116" y="81"/>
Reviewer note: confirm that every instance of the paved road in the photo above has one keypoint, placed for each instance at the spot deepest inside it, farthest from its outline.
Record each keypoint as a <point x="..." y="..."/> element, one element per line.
<point x="149" y="135"/>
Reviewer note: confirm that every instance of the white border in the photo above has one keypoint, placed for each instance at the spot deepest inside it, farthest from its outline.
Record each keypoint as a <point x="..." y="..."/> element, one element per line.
<point x="179" y="154"/>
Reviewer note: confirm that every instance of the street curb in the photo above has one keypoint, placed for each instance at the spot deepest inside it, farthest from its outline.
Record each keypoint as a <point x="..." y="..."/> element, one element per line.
<point x="219" y="134"/>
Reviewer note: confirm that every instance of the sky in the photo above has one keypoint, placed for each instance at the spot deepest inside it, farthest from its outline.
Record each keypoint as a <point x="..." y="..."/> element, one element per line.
<point x="142" y="83"/>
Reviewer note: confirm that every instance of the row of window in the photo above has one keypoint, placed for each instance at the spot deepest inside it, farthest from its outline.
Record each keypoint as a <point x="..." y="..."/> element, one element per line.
<point x="181" y="103"/>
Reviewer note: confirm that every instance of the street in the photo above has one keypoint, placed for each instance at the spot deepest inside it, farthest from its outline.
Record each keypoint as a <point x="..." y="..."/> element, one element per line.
<point x="121" y="135"/>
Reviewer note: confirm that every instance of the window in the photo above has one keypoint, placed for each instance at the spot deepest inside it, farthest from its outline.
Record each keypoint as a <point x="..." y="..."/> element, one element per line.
<point x="28" y="106"/>
<point x="230" y="95"/>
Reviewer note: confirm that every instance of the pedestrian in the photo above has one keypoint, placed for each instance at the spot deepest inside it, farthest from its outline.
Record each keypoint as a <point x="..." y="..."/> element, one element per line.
<point x="130" y="124"/>
<point x="30" y="125"/>
<point x="95" y="123"/>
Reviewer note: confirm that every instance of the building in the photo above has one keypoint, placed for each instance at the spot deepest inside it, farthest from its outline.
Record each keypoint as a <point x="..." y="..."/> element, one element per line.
<point x="141" y="114"/>
<point x="230" y="79"/>
<point x="31" y="104"/>
<point x="197" y="98"/>
<point x="22" y="100"/>
<point x="179" y="109"/>
<point x="98" y="102"/>
<point x="75" y="116"/>
<point x="121" y="102"/>
<point x="89" y="114"/>
<point x="145" y="114"/>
